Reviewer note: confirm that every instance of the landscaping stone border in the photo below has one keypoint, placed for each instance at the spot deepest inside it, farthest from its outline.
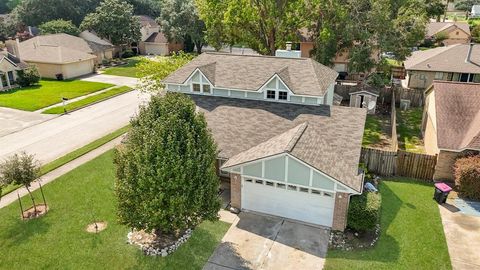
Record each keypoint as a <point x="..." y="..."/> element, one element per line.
<point x="151" y="250"/>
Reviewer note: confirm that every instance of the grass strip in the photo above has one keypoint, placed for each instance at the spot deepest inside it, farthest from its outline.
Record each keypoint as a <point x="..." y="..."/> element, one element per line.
<point x="72" y="155"/>
<point x="89" y="100"/>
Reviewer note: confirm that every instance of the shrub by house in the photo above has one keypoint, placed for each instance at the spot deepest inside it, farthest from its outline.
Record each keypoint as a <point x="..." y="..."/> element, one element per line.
<point x="166" y="178"/>
<point x="364" y="211"/>
<point x="467" y="176"/>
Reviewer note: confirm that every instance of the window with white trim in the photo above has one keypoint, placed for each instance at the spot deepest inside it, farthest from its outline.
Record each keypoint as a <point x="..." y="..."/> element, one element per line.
<point x="200" y="84"/>
<point x="438" y="75"/>
<point x="282" y="95"/>
<point x="276" y="90"/>
<point x="196" y="87"/>
<point x="271" y="94"/>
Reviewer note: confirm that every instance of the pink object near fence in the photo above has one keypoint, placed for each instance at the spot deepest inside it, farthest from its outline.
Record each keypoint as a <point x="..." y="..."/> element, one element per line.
<point x="443" y="187"/>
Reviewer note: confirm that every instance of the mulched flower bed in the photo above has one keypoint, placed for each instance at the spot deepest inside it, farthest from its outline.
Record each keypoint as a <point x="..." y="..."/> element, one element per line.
<point x="153" y="245"/>
<point x="30" y="213"/>
<point x="351" y="240"/>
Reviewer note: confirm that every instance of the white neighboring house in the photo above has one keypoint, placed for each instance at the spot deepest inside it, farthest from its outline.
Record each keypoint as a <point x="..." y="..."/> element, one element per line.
<point x="153" y="41"/>
<point x="9" y="65"/>
<point x="475" y="11"/>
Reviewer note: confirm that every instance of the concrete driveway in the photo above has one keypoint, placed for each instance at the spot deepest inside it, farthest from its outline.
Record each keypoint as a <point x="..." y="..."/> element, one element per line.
<point x="263" y="242"/>
<point x="118" y="80"/>
<point x="12" y="120"/>
<point x="463" y="237"/>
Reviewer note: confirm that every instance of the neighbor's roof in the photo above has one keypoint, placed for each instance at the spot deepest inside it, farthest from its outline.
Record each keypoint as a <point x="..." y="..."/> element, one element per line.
<point x="93" y="37"/>
<point x="447" y="59"/>
<point x="56" y="48"/>
<point x="157" y="37"/>
<point x="13" y="59"/>
<point x="328" y="138"/>
<point x="457" y="107"/>
<point x="61" y="40"/>
<point x="435" y="27"/>
<point x="303" y="76"/>
<point x="147" y="20"/>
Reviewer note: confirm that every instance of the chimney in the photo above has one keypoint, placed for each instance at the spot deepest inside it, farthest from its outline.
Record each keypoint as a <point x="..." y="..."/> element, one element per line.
<point x="12" y="47"/>
<point x="469" y="54"/>
<point x="289" y="46"/>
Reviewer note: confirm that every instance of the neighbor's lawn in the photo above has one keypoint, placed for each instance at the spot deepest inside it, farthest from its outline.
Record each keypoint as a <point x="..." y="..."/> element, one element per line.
<point x="373" y="131"/>
<point x="128" y="70"/>
<point x="89" y="100"/>
<point x="46" y="93"/>
<point x="411" y="233"/>
<point x="409" y="124"/>
<point x="59" y="240"/>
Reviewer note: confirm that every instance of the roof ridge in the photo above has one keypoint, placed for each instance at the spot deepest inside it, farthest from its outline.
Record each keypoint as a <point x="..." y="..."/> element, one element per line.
<point x="440" y="50"/>
<point x="301" y="129"/>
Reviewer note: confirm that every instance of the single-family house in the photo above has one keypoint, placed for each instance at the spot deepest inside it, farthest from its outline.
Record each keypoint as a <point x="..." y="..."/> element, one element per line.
<point x="282" y="146"/>
<point x="451" y="123"/>
<point x="153" y="41"/>
<point x="340" y="62"/>
<point x="60" y="54"/>
<point x="9" y="65"/>
<point x="459" y="63"/>
<point x="452" y="32"/>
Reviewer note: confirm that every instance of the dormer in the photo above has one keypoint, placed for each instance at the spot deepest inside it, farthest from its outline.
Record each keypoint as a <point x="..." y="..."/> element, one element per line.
<point x="276" y="90"/>
<point x="199" y="83"/>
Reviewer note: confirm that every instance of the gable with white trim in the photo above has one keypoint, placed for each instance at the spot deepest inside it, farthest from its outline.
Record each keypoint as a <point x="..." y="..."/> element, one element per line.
<point x="289" y="170"/>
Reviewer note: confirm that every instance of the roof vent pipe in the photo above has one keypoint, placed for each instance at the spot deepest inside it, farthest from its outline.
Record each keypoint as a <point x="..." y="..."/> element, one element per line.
<point x="469" y="54"/>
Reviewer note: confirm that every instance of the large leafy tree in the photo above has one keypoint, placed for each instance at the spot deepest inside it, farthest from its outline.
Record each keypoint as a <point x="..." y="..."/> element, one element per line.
<point x="180" y="22"/>
<point x="59" y="26"/>
<point x="146" y="7"/>
<point x="36" y="12"/>
<point x="363" y="27"/>
<point x="115" y="21"/>
<point x="166" y="176"/>
<point x="263" y="25"/>
<point x="7" y="28"/>
<point x="466" y="5"/>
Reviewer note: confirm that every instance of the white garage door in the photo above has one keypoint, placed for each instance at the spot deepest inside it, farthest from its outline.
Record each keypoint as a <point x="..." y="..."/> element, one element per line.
<point x="312" y="206"/>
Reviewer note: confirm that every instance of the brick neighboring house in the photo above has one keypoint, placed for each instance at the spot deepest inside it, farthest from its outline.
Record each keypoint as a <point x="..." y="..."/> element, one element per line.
<point x="458" y="63"/>
<point x="285" y="150"/>
<point x="451" y="123"/>
<point x="456" y="32"/>
<point x="339" y="62"/>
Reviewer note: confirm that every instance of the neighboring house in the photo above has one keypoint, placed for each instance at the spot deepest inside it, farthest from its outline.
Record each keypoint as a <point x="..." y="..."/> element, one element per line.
<point x="9" y="65"/>
<point x="454" y="32"/>
<point x="339" y="63"/>
<point x="451" y="124"/>
<point x="102" y="48"/>
<point x="153" y="41"/>
<point x="291" y="160"/>
<point x="475" y="11"/>
<point x="63" y="54"/>
<point x="460" y="63"/>
<point x="270" y="78"/>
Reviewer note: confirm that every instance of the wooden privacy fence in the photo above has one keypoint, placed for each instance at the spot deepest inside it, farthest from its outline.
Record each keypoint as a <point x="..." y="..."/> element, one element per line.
<point x="399" y="163"/>
<point x="385" y="94"/>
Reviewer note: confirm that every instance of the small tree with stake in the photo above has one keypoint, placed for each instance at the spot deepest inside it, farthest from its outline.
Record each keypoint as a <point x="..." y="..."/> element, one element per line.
<point x="20" y="169"/>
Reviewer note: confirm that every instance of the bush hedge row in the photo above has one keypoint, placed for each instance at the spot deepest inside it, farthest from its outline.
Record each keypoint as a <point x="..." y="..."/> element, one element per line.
<point x="467" y="177"/>
<point x="364" y="211"/>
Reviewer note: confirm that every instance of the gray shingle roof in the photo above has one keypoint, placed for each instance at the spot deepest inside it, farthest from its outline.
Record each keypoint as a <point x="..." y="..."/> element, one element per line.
<point x="446" y="59"/>
<point x="303" y="76"/>
<point x="457" y="107"/>
<point x="330" y="142"/>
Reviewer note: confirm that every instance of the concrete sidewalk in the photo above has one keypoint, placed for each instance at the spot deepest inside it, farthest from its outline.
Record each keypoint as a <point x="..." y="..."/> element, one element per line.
<point x="49" y="177"/>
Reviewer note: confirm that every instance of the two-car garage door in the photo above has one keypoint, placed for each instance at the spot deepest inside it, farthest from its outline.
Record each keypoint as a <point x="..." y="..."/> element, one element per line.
<point x="290" y="201"/>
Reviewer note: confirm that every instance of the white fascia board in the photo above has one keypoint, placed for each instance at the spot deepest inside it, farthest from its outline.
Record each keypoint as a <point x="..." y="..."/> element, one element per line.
<point x="193" y="73"/>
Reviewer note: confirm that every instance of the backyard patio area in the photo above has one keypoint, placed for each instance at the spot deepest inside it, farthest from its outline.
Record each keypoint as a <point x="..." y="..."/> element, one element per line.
<point x="59" y="240"/>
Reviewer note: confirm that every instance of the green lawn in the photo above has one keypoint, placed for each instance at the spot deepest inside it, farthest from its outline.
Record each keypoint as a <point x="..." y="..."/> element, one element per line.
<point x="47" y="93"/>
<point x="394" y="63"/>
<point x="409" y="124"/>
<point x="128" y="70"/>
<point x="72" y="155"/>
<point x="89" y="100"/>
<point x="411" y="233"/>
<point x="59" y="240"/>
<point x="372" y="132"/>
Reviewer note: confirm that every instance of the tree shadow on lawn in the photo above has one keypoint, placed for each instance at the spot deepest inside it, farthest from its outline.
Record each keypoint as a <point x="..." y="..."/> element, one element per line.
<point x="193" y="254"/>
<point x="387" y="248"/>
<point x="21" y="231"/>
